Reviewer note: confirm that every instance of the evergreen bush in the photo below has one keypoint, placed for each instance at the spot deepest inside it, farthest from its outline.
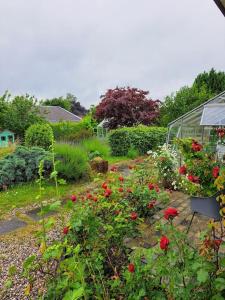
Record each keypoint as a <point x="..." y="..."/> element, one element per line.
<point x="40" y="135"/>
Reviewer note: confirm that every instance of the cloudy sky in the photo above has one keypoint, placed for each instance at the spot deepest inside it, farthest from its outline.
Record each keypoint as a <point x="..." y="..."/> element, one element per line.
<point x="51" y="47"/>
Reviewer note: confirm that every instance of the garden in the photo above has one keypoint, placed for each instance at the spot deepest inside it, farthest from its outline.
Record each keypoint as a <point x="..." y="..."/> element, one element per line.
<point x="121" y="217"/>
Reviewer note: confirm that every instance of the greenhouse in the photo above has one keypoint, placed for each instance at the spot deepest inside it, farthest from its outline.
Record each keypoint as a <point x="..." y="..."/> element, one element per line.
<point x="199" y="122"/>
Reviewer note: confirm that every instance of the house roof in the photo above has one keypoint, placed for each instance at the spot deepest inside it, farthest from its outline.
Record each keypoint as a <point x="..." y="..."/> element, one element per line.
<point x="220" y="98"/>
<point x="221" y="5"/>
<point x="6" y="130"/>
<point x="55" y="114"/>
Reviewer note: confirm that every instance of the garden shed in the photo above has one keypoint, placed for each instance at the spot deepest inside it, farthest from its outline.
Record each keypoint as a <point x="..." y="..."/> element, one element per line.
<point x="199" y="122"/>
<point x="6" y="137"/>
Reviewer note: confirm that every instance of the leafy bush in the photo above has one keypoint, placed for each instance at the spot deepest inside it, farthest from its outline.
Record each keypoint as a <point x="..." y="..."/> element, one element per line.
<point x="73" y="162"/>
<point x="40" y="135"/>
<point x="71" y="131"/>
<point x="142" y="138"/>
<point x="7" y="150"/>
<point x="22" y="165"/>
<point x="95" y="145"/>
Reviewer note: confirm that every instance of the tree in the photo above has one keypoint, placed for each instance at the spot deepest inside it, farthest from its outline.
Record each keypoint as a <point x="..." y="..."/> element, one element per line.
<point x="69" y="103"/>
<point x="181" y="102"/>
<point x="60" y="101"/>
<point x="205" y="86"/>
<point x="19" y="113"/>
<point x="212" y="80"/>
<point x="127" y="107"/>
<point x="76" y="107"/>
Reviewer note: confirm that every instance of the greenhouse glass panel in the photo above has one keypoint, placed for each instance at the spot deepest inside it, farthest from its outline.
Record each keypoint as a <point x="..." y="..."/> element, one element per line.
<point x="213" y="114"/>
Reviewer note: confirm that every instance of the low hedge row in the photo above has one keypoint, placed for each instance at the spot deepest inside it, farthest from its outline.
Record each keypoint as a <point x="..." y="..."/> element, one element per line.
<point x="73" y="131"/>
<point x="141" y="138"/>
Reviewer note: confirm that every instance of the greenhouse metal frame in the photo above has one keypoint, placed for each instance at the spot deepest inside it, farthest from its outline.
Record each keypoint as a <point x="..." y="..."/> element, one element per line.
<point x="199" y="122"/>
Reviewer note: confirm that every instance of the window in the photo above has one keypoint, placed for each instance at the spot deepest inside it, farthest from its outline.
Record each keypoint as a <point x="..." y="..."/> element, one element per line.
<point x="3" y="138"/>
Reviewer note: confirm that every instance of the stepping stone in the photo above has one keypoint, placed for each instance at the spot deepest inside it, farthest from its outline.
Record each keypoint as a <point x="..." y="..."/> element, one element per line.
<point x="34" y="214"/>
<point x="11" y="225"/>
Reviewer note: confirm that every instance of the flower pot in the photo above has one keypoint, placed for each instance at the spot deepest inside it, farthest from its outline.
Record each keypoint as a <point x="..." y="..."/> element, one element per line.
<point x="207" y="206"/>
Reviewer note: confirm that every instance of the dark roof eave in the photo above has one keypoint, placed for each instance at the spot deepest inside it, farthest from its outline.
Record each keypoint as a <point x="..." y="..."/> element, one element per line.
<point x="221" y="6"/>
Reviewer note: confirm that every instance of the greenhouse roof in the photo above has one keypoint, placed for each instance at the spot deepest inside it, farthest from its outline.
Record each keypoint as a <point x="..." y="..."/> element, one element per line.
<point x="194" y="116"/>
<point x="213" y="114"/>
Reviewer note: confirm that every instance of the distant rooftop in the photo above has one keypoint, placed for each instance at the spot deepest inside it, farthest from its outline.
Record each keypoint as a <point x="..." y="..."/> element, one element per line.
<point x="55" y="114"/>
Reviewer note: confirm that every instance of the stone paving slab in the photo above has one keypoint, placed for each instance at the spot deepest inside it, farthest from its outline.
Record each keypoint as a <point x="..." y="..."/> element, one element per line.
<point x="11" y="225"/>
<point x="34" y="214"/>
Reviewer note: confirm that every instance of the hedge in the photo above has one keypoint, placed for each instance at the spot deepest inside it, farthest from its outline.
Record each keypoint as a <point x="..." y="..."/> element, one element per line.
<point x="71" y="131"/>
<point x="141" y="138"/>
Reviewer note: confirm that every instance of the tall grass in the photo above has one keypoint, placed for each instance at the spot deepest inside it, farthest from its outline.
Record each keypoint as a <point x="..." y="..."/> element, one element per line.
<point x="73" y="162"/>
<point x="96" y="145"/>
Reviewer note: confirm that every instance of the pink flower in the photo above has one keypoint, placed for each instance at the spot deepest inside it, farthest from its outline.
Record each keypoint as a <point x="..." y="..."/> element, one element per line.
<point x="73" y="198"/>
<point x="66" y="230"/>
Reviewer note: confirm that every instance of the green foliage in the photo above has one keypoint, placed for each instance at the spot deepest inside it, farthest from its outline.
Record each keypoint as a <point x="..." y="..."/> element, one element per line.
<point x="19" y="113"/>
<point x="60" y="101"/>
<point x="184" y="100"/>
<point x="72" y="162"/>
<point x="73" y="131"/>
<point x="40" y="135"/>
<point x="22" y="165"/>
<point x="94" y="144"/>
<point x="213" y="81"/>
<point x="142" y="138"/>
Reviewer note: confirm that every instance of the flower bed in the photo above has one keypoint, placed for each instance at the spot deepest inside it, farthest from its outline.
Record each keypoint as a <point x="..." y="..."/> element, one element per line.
<point x="91" y="260"/>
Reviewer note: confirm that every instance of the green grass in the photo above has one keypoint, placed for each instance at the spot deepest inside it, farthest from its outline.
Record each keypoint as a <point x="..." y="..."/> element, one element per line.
<point x="25" y="194"/>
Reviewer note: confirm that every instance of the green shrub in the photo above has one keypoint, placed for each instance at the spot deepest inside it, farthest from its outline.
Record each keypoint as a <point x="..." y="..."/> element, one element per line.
<point x="72" y="131"/>
<point x="40" y="135"/>
<point x="96" y="145"/>
<point x="72" y="162"/>
<point x="142" y="138"/>
<point x="22" y="165"/>
<point x="132" y="153"/>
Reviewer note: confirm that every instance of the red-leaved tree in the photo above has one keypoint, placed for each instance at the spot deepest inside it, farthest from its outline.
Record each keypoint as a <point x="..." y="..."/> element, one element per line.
<point x="127" y="107"/>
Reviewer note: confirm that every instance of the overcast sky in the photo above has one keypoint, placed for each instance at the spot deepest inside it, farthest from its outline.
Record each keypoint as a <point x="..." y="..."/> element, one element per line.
<point x="51" y="47"/>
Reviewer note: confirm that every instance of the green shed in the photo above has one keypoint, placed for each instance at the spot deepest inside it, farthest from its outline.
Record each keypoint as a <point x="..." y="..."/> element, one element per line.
<point x="6" y="137"/>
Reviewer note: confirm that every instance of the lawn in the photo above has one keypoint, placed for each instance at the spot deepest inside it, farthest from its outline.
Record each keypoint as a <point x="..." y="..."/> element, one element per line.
<point x="26" y="194"/>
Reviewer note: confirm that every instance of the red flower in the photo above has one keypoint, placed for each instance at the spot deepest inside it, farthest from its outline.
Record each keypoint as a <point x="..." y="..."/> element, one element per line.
<point x="170" y="213"/>
<point x="215" y="171"/>
<point x="151" y="186"/>
<point x="151" y="204"/>
<point x="131" y="268"/>
<point x="117" y="212"/>
<point x="66" y="230"/>
<point x="95" y="199"/>
<point x="104" y="185"/>
<point x="164" y="243"/>
<point x="121" y="178"/>
<point x="192" y="178"/>
<point x="89" y="196"/>
<point x="107" y="193"/>
<point x="120" y="189"/>
<point x="130" y="167"/>
<point x="129" y="190"/>
<point x="217" y="243"/>
<point x="196" y="147"/>
<point x="113" y="169"/>
<point x="133" y="216"/>
<point x="73" y="198"/>
<point x="183" y="170"/>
